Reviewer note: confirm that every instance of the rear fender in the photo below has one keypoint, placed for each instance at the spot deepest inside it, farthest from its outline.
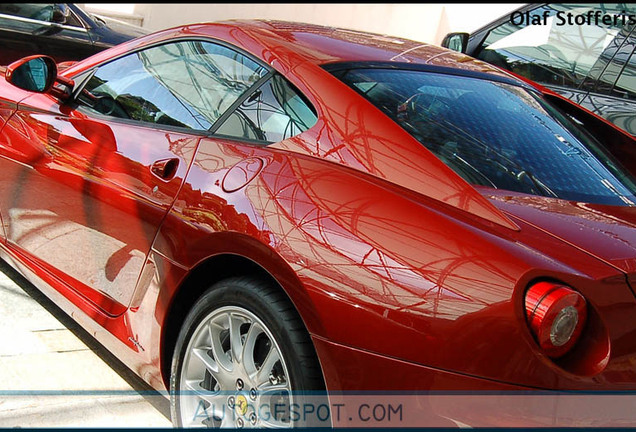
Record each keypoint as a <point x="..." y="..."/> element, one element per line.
<point x="209" y="247"/>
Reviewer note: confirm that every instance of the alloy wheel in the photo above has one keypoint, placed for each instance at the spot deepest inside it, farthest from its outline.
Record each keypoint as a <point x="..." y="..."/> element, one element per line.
<point x="234" y="374"/>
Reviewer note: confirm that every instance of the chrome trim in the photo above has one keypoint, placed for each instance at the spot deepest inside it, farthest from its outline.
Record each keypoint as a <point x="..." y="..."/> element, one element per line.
<point x="79" y="19"/>
<point x="43" y="23"/>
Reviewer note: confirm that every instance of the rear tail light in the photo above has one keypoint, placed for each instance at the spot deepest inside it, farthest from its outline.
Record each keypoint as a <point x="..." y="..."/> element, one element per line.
<point x="556" y="315"/>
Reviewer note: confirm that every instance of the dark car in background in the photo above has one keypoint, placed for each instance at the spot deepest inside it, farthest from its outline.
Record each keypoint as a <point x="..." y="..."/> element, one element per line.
<point x="60" y="30"/>
<point x="585" y="52"/>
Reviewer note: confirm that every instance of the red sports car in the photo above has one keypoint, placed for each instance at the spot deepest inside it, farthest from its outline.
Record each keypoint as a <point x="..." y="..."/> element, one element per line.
<point x="248" y="211"/>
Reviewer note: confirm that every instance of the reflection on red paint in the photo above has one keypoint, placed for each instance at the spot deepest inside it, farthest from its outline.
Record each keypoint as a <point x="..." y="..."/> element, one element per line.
<point x="241" y="174"/>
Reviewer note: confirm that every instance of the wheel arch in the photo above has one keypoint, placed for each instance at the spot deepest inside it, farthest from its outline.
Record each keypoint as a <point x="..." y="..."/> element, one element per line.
<point x="258" y="261"/>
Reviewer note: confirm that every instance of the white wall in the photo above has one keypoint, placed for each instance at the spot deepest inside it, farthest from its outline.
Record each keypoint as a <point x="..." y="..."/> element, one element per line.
<point x="422" y="22"/>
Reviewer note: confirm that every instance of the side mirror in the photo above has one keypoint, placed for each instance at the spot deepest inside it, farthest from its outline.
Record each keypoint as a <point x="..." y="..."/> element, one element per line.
<point x="34" y="73"/>
<point x="60" y="13"/>
<point x="38" y="74"/>
<point x="456" y="42"/>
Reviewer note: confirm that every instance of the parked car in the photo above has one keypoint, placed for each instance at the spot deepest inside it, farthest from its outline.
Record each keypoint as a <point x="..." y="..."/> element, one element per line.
<point x="569" y="49"/>
<point x="60" y="30"/>
<point x="250" y="210"/>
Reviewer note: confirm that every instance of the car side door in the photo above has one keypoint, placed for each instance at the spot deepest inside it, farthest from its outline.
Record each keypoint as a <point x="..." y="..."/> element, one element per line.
<point x="42" y="28"/>
<point x="84" y="187"/>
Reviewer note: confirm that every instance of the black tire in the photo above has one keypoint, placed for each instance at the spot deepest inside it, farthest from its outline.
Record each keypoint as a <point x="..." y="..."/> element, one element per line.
<point x="276" y="312"/>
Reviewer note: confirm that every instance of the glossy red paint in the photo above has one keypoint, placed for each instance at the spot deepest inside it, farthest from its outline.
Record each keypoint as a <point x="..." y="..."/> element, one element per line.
<point x="601" y="225"/>
<point x="88" y="184"/>
<point x="392" y="260"/>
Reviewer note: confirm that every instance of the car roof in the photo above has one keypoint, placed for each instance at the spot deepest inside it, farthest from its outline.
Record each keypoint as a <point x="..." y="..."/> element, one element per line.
<point x="323" y="45"/>
<point x="300" y="42"/>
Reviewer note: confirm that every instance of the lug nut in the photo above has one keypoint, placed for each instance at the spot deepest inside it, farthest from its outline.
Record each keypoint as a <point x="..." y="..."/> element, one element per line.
<point x="253" y="418"/>
<point x="239" y="384"/>
<point x="253" y="394"/>
<point x="239" y="423"/>
<point x="230" y="401"/>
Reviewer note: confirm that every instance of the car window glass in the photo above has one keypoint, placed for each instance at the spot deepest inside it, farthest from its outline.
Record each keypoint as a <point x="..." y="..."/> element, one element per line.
<point x="591" y="80"/>
<point x="72" y="20"/>
<point x="36" y="11"/>
<point x="274" y="112"/>
<point x="498" y="135"/>
<point x="557" y="51"/>
<point x="186" y="84"/>
<point x="608" y="79"/>
<point x="626" y="85"/>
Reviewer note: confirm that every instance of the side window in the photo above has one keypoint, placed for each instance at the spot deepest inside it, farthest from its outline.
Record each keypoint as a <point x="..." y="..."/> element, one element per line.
<point x="36" y="11"/>
<point x="188" y="84"/>
<point x="608" y="80"/>
<point x="626" y="85"/>
<point x="274" y="112"/>
<point x="555" y="50"/>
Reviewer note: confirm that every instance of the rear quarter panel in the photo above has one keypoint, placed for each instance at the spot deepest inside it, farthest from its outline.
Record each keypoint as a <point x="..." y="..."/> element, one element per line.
<point x="374" y="266"/>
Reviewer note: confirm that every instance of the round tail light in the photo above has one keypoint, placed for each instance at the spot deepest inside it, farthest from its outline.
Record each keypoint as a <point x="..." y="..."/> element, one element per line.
<point x="556" y="315"/>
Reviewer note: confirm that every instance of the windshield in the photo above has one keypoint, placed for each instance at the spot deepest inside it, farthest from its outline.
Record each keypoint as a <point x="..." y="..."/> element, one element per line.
<point x="559" y="51"/>
<point x="497" y="135"/>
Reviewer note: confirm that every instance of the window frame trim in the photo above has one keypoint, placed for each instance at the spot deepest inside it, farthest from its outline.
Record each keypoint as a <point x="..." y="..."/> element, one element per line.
<point x="502" y="77"/>
<point x="81" y="29"/>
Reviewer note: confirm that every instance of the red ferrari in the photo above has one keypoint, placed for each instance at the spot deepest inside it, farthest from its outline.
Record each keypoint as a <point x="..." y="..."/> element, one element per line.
<point x="249" y="210"/>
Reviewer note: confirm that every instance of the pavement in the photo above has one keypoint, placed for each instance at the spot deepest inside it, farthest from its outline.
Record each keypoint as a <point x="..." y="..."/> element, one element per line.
<point x="55" y="374"/>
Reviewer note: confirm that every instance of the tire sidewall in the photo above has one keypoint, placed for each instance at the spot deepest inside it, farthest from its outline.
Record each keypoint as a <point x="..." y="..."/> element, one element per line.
<point x="247" y="295"/>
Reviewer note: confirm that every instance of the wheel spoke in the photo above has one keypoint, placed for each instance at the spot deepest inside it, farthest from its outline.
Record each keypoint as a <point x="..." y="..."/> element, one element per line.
<point x="262" y="376"/>
<point x="203" y="405"/>
<point x="236" y="346"/>
<point x="217" y="349"/>
<point x="209" y="363"/>
<point x="274" y="424"/>
<point x="195" y="423"/>
<point x="269" y="388"/>
<point x="210" y="414"/>
<point x="248" y="348"/>
<point x="193" y="387"/>
<point x="228" y="421"/>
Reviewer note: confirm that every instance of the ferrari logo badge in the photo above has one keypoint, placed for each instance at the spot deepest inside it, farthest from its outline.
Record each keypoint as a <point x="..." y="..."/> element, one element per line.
<point x="241" y="405"/>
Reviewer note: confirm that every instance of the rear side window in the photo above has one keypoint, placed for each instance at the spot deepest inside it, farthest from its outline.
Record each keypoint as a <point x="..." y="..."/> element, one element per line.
<point x="187" y="84"/>
<point x="497" y="135"/>
<point x="558" y="51"/>
<point x="272" y="113"/>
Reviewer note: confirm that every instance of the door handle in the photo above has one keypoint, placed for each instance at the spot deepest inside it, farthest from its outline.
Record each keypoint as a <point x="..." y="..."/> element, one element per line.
<point x="165" y="169"/>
